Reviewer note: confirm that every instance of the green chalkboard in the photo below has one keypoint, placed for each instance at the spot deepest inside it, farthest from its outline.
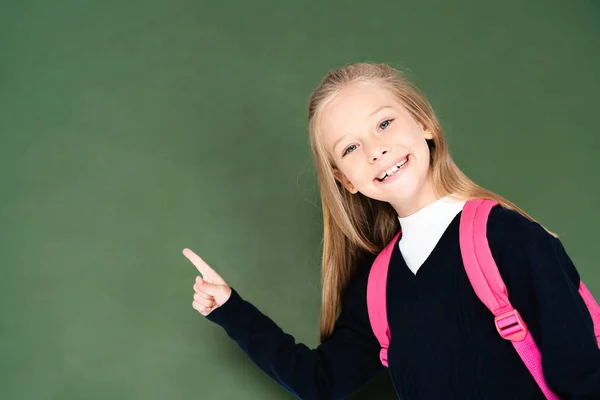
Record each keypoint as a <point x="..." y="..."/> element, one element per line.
<point x="132" y="129"/>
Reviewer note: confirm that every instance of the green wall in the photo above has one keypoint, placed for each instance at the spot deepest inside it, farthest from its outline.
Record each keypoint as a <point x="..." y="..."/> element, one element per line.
<point x="130" y="130"/>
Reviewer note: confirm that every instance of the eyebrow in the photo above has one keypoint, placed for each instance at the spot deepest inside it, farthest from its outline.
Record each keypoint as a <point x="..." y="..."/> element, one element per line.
<point x="379" y="109"/>
<point x="369" y="116"/>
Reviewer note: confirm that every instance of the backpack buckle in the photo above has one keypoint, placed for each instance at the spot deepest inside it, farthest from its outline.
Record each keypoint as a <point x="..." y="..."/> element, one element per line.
<point x="383" y="356"/>
<point x="510" y="326"/>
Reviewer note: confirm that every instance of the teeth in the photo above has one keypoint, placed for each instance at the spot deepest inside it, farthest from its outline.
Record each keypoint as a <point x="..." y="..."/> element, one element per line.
<point x="392" y="170"/>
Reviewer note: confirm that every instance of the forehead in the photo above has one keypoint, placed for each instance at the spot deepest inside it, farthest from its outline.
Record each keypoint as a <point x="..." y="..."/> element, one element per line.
<point x="350" y="111"/>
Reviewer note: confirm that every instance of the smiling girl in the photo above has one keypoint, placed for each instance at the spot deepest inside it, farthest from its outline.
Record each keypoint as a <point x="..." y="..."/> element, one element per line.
<point x="387" y="179"/>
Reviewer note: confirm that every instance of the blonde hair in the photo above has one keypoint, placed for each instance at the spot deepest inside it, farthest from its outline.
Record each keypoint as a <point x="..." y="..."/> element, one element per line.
<point x="355" y="225"/>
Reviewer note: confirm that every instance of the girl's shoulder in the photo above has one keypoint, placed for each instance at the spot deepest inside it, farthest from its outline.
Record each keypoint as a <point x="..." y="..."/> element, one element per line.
<point x="360" y="276"/>
<point x="509" y="226"/>
<point x="518" y="243"/>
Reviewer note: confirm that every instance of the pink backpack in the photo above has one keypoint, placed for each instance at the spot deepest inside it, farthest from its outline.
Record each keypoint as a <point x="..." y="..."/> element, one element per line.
<point x="487" y="283"/>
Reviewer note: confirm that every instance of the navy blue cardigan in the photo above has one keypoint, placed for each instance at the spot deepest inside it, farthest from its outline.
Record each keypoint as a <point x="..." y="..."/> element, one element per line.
<point x="443" y="341"/>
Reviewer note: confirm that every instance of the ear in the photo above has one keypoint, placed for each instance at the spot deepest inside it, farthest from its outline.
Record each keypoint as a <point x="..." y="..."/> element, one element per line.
<point x="426" y="132"/>
<point x="344" y="181"/>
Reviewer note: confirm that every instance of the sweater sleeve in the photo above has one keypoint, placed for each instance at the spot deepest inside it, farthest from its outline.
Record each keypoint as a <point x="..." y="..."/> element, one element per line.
<point x="543" y="284"/>
<point x="336" y="368"/>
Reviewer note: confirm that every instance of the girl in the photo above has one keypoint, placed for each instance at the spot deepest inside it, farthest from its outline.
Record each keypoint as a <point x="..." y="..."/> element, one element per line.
<point x="383" y="163"/>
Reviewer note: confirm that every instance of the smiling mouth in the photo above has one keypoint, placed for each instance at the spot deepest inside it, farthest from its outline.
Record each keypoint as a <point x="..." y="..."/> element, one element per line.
<point x="386" y="174"/>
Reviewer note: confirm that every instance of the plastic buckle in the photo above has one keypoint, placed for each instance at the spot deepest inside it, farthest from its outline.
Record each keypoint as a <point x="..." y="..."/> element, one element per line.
<point x="383" y="356"/>
<point x="510" y="326"/>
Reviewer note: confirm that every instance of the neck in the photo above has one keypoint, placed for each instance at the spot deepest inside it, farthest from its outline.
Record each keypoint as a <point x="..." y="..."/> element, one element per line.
<point x="425" y="197"/>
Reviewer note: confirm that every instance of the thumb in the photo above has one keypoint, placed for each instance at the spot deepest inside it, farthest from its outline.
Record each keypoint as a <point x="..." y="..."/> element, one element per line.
<point x="219" y="292"/>
<point x="207" y="287"/>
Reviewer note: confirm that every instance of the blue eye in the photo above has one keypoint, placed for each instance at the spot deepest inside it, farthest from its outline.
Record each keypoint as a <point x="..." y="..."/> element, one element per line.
<point x="385" y="124"/>
<point x="349" y="149"/>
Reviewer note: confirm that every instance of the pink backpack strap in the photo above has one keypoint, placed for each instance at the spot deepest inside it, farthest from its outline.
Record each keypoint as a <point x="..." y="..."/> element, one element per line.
<point x="376" y="298"/>
<point x="593" y="307"/>
<point x="489" y="287"/>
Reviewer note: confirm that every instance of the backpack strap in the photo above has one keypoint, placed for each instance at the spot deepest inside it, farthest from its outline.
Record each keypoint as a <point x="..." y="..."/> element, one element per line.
<point x="376" y="298"/>
<point x="593" y="308"/>
<point x="490" y="288"/>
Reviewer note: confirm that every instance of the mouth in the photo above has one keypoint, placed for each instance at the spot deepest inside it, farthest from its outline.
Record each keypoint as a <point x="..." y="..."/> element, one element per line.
<point x="391" y="171"/>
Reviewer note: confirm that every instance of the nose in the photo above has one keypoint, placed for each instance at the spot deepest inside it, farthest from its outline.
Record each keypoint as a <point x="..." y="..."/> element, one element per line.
<point x="376" y="153"/>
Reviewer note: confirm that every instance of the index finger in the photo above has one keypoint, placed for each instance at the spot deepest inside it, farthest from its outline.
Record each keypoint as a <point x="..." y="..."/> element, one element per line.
<point x="199" y="263"/>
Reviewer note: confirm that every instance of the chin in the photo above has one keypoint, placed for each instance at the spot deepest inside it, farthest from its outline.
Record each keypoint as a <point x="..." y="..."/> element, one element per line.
<point x="399" y="193"/>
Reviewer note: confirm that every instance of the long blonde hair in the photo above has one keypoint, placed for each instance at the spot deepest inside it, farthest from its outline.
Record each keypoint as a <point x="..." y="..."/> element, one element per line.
<point x="353" y="224"/>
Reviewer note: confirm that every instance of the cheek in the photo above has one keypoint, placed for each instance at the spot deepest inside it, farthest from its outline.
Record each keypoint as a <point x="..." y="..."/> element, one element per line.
<point x="422" y="154"/>
<point x="419" y="144"/>
<point x="355" y="174"/>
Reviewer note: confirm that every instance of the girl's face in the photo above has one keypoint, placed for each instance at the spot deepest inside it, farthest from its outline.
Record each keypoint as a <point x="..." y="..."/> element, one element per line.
<point x="378" y="147"/>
